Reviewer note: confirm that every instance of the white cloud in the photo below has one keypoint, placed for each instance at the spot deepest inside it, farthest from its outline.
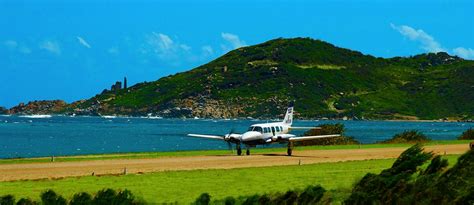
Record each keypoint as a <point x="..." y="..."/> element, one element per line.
<point x="83" y="42"/>
<point x="164" y="46"/>
<point x="114" y="50"/>
<point x="428" y="43"/>
<point x="51" y="46"/>
<point x="207" y="50"/>
<point x="24" y="50"/>
<point x="466" y="53"/>
<point x="233" y="39"/>
<point x="10" y="44"/>
<point x="13" y="45"/>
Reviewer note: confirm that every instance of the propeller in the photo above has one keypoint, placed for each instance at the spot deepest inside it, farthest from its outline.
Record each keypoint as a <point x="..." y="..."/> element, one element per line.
<point x="227" y="139"/>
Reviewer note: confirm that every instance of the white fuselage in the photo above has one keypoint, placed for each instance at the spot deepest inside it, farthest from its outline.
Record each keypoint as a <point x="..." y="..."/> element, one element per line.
<point x="266" y="133"/>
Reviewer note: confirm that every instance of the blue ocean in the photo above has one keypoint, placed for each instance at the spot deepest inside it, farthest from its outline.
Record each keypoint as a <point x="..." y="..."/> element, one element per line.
<point x="37" y="136"/>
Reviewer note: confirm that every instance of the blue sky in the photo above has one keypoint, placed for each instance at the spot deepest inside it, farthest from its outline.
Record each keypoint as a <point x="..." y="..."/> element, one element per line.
<point x="73" y="50"/>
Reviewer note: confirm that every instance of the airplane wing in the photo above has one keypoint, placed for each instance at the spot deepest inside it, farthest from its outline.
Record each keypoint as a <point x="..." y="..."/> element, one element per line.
<point x="304" y="128"/>
<point x="296" y="139"/>
<point x="216" y="137"/>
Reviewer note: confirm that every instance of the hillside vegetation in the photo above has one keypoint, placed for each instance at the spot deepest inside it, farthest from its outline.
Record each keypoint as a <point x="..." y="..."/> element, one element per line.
<point x="324" y="80"/>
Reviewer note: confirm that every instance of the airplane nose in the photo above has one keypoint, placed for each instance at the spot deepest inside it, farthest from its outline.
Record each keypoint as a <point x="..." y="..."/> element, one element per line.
<point x="250" y="135"/>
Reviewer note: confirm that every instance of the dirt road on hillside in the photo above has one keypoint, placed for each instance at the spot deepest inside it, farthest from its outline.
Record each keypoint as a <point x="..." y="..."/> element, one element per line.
<point x="11" y="172"/>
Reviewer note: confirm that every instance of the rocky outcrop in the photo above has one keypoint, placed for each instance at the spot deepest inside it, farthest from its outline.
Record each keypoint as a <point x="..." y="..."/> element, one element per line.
<point x="40" y="107"/>
<point x="3" y="111"/>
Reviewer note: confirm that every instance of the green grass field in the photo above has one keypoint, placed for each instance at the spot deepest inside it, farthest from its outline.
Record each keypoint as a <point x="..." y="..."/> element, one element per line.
<point x="185" y="186"/>
<point x="211" y="152"/>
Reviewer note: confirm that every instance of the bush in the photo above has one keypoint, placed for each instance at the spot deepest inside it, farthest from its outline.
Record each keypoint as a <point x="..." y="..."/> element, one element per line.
<point x="81" y="199"/>
<point x="7" y="200"/>
<point x="408" y="136"/>
<point x="26" y="201"/>
<point x="229" y="201"/>
<point x="328" y="129"/>
<point x="50" y="197"/>
<point x="311" y="195"/>
<point x="467" y="135"/>
<point x="401" y="184"/>
<point x="203" y="199"/>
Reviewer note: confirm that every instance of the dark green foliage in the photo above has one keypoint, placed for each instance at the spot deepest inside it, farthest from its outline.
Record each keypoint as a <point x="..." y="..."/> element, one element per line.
<point x="105" y="196"/>
<point x="229" y="200"/>
<point x="467" y="135"/>
<point x="385" y="188"/>
<point x="82" y="198"/>
<point x="110" y="196"/>
<point x="437" y="164"/>
<point x="400" y="184"/>
<point x="328" y="129"/>
<point x="7" y="200"/>
<point x="203" y="199"/>
<point x="252" y="200"/>
<point x="311" y="195"/>
<point x="26" y="201"/>
<point x="408" y="136"/>
<point x="50" y="197"/>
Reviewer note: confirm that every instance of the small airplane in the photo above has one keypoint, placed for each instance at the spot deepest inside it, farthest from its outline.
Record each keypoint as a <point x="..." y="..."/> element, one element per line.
<point x="266" y="133"/>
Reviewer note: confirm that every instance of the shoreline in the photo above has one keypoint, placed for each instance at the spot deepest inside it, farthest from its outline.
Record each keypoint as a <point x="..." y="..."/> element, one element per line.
<point x="40" y="116"/>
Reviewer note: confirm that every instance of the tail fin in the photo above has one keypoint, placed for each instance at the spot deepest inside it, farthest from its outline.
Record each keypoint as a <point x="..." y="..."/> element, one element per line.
<point x="289" y="114"/>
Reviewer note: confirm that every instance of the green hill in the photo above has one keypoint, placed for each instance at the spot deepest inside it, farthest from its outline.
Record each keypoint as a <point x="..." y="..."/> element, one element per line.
<point x="324" y="80"/>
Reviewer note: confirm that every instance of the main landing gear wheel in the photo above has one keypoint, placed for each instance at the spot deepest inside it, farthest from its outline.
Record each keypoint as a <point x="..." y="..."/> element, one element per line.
<point x="248" y="152"/>
<point x="290" y="148"/>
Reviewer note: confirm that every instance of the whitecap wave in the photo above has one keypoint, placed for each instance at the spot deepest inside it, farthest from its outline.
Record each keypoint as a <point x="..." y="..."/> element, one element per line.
<point x="35" y="116"/>
<point x="109" y="116"/>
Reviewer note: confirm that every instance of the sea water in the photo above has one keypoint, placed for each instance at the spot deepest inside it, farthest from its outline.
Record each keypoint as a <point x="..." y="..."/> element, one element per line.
<point x="24" y="136"/>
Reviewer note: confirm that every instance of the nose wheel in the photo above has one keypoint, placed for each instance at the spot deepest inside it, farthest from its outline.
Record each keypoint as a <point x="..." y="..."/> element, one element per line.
<point x="239" y="150"/>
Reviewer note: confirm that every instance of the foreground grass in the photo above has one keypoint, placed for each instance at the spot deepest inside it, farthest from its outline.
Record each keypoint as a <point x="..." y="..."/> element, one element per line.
<point x="141" y="155"/>
<point x="185" y="186"/>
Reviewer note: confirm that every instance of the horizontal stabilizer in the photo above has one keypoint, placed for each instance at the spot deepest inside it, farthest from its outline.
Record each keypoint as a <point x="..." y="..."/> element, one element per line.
<point x="304" y="128"/>
<point x="207" y="136"/>
<point x="296" y="139"/>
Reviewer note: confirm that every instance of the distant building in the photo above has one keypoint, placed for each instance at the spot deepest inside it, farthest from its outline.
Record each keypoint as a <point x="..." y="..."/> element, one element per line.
<point x="117" y="86"/>
<point x="125" y="83"/>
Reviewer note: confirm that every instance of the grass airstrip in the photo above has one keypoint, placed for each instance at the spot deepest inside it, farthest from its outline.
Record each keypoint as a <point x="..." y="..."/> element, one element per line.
<point x="185" y="186"/>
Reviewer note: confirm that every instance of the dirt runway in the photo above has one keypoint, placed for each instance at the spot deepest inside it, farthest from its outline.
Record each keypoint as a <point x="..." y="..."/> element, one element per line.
<point x="12" y="172"/>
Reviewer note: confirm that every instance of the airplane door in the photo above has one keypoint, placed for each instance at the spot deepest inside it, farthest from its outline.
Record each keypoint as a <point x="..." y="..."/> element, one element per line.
<point x="273" y="131"/>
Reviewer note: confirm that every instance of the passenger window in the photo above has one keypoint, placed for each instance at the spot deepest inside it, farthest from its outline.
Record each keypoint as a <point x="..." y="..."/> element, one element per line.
<point x="281" y="128"/>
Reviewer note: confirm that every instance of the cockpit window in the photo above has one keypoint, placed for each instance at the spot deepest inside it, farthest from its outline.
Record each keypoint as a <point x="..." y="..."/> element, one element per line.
<point x="257" y="129"/>
<point x="250" y="128"/>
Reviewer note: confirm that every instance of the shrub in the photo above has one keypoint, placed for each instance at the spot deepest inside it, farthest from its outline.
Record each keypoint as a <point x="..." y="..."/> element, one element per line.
<point x="81" y="199"/>
<point x="229" y="200"/>
<point x="328" y="129"/>
<point x="26" y="201"/>
<point x="467" y="135"/>
<point x="203" y="199"/>
<point x="408" y="136"/>
<point x="50" y="197"/>
<point x="105" y="196"/>
<point x="7" y="200"/>
<point x="311" y="195"/>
